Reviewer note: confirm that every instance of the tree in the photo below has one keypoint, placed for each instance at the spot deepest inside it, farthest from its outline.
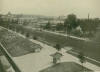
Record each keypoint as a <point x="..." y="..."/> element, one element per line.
<point x="82" y="59"/>
<point x="71" y="22"/>
<point x="59" y="26"/>
<point x="27" y="35"/>
<point x="47" y="26"/>
<point x="1" y="19"/>
<point x="89" y="27"/>
<point x="35" y="37"/>
<point x="25" y="23"/>
<point x="58" y="47"/>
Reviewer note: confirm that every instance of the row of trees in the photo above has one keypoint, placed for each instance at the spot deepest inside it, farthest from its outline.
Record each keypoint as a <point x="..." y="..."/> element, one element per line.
<point x="73" y="25"/>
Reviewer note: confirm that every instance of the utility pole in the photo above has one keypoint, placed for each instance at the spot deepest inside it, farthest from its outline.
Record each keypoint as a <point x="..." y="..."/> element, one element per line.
<point x="88" y="16"/>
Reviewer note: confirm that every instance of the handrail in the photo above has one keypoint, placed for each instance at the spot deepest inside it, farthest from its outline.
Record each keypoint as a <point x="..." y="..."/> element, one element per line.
<point x="9" y="58"/>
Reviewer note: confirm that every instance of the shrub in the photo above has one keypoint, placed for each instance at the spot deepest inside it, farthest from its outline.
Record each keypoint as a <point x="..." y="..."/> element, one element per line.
<point x="58" y="47"/>
<point x="35" y="37"/>
<point x="27" y="35"/>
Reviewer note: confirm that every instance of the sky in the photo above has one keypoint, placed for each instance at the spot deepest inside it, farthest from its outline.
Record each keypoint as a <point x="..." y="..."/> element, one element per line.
<point x="52" y="7"/>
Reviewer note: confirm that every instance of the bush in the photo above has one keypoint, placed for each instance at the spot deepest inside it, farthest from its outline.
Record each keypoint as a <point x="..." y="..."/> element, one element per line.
<point x="35" y="38"/>
<point x="58" y="47"/>
<point x="22" y="32"/>
<point x="27" y="35"/>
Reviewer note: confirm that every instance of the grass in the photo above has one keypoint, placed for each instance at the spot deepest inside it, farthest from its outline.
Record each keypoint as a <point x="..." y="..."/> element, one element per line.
<point x="17" y="45"/>
<point x="90" y="49"/>
<point x="66" y="67"/>
<point x="76" y="55"/>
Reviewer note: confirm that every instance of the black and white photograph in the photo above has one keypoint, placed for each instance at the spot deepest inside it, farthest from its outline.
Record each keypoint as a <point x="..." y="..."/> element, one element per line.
<point x="49" y="35"/>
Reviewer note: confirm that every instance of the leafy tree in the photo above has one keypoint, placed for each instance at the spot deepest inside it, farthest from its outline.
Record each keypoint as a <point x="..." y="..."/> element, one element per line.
<point x="25" y="23"/>
<point x="96" y="38"/>
<point x="1" y="19"/>
<point x="82" y="59"/>
<point x="27" y="35"/>
<point x="71" y="22"/>
<point x="59" y="26"/>
<point x="47" y="26"/>
<point x="89" y="27"/>
<point x="58" y="47"/>
<point x="35" y="37"/>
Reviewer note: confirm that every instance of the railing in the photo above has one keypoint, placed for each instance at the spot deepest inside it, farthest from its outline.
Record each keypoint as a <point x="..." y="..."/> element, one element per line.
<point x="9" y="58"/>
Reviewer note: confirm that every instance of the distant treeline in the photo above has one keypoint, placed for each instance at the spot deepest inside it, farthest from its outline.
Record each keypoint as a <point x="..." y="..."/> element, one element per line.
<point x="72" y="25"/>
<point x="75" y="26"/>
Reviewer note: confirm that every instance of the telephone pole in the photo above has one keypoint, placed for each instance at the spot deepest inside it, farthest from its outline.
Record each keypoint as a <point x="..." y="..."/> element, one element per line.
<point x="88" y="16"/>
